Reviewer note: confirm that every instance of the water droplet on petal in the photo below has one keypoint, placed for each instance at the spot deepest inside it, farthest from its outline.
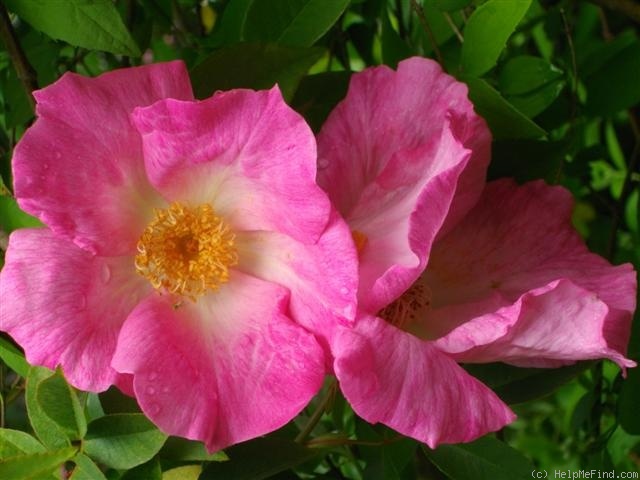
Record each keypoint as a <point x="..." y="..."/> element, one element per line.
<point x="344" y="291"/>
<point x="323" y="163"/>
<point x="153" y="376"/>
<point x="154" y="409"/>
<point x="58" y="155"/>
<point x="165" y="389"/>
<point x="105" y="273"/>
<point x="151" y="390"/>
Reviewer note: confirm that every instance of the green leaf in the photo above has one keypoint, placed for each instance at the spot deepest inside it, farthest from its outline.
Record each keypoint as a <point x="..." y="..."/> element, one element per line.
<point x="13" y="357"/>
<point x="516" y="385"/>
<point x="487" y="32"/>
<point x="123" y="440"/>
<point x="183" y="450"/>
<point x="450" y="5"/>
<point x="86" y="469"/>
<point x="260" y="458"/>
<point x="149" y="471"/>
<point x="232" y="23"/>
<point x="318" y="94"/>
<point x="114" y="401"/>
<point x="503" y="118"/>
<point x="59" y="401"/>
<point x="15" y="442"/>
<point x="93" y="24"/>
<point x="189" y="472"/>
<point x="296" y="23"/>
<point x="394" y="48"/>
<point x="47" y="430"/>
<point x="535" y="102"/>
<point x="34" y="466"/>
<point x="257" y="66"/>
<point x="610" y="89"/>
<point x="486" y="458"/>
<point x="389" y="459"/>
<point x="525" y="73"/>
<point x="12" y="218"/>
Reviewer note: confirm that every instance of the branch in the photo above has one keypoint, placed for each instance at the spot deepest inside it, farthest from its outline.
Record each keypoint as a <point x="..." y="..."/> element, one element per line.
<point x="26" y="73"/>
<point x="630" y="8"/>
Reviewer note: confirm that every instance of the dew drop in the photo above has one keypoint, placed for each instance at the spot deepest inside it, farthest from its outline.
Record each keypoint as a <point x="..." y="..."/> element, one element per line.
<point x="154" y="408"/>
<point x="153" y="376"/>
<point x="105" y="273"/>
<point x="45" y="166"/>
<point x="344" y="291"/>
<point x="323" y="163"/>
<point x="58" y="155"/>
<point x="151" y="390"/>
<point x="165" y="389"/>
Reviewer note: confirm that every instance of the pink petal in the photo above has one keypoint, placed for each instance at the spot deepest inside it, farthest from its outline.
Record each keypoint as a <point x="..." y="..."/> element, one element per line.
<point x="548" y="327"/>
<point x="65" y="306"/>
<point x="79" y="168"/>
<point x="226" y="369"/>
<point x="392" y="377"/>
<point x="513" y="252"/>
<point x="322" y="277"/>
<point x="245" y="152"/>
<point x="401" y="146"/>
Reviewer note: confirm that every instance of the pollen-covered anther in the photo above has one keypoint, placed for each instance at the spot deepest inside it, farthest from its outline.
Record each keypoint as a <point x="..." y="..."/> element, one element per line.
<point x="186" y="250"/>
<point x="410" y="306"/>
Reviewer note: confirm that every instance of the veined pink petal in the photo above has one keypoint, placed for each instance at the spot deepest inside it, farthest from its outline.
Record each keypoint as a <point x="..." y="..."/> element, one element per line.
<point x="403" y="157"/>
<point x="322" y="278"/>
<point x="238" y="365"/>
<point x="392" y="377"/>
<point x="65" y="306"/>
<point x="245" y="152"/>
<point x="548" y="327"/>
<point x="79" y="168"/>
<point x="519" y="240"/>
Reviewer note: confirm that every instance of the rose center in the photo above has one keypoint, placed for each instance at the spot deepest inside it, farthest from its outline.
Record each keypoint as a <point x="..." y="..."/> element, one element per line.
<point x="186" y="250"/>
<point x="412" y="305"/>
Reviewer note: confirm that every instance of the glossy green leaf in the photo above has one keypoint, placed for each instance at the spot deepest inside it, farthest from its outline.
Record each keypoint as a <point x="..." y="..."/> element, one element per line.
<point x="525" y="73"/>
<point x="260" y="458"/>
<point x="34" y="466"/>
<point x="232" y="23"/>
<point x="251" y="65"/>
<point x="83" y="23"/>
<point x="516" y="385"/>
<point x="487" y="32"/>
<point x="13" y="357"/>
<point x="183" y="450"/>
<point x="58" y="400"/>
<point x="536" y="101"/>
<point x="16" y="442"/>
<point x="46" y="429"/>
<point x="609" y="89"/>
<point x="503" y="118"/>
<point x="188" y="472"/>
<point x="394" y="48"/>
<point x="296" y="23"/>
<point x="486" y="458"/>
<point x="12" y="218"/>
<point x="123" y="440"/>
<point x="85" y="469"/>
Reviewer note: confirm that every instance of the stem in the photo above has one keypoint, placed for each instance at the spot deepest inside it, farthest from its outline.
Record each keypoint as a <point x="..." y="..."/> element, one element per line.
<point x="629" y="8"/>
<point x="453" y="26"/>
<point x="317" y="414"/>
<point x="425" y="25"/>
<point x="26" y="73"/>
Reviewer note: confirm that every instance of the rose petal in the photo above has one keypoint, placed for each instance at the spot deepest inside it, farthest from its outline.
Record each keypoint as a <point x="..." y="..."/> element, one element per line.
<point x="79" y="168"/>
<point x="237" y="366"/>
<point x="388" y="153"/>
<point x="322" y="277"/>
<point x="519" y="240"/>
<point x="392" y="377"/>
<point x="65" y="306"/>
<point x="245" y="152"/>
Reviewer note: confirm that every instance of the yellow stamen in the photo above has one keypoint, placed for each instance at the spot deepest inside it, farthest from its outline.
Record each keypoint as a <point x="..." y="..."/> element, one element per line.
<point x="186" y="250"/>
<point x="412" y="304"/>
<point x="360" y="239"/>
